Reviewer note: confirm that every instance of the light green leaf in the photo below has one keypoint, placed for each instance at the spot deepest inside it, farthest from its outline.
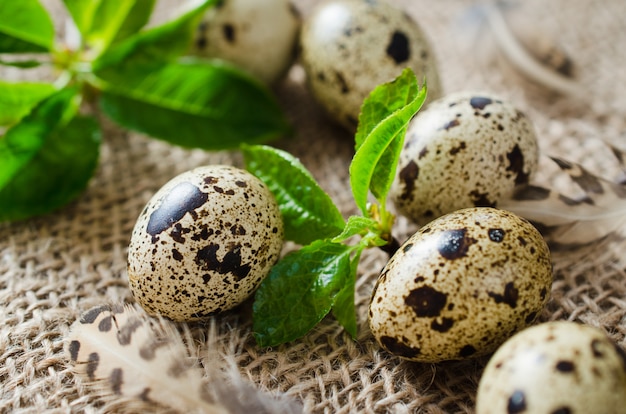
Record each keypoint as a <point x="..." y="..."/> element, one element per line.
<point x="103" y="22"/>
<point x="25" y="27"/>
<point x="17" y="99"/>
<point x="299" y="291"/>
<point x="160" y="44"/>
<point x="385" y="115"/>
<point x="308" y="212"/>
<point x="47" y="158"/>
<point x="192" y="103"/>
<point x="357" y="225"/>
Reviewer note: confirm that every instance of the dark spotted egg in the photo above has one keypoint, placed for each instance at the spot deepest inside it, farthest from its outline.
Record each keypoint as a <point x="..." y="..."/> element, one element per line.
<point x="258" y="36"/>
<point x="461" y="286"/>
<point x="555" y="368"/>
<point x="348" y="47"/>
<point x="204" y="243"/>
<point x="464" y="150"/>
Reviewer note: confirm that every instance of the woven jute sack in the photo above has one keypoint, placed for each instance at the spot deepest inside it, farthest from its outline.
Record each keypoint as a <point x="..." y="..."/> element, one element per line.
<point x="54" y="267"/>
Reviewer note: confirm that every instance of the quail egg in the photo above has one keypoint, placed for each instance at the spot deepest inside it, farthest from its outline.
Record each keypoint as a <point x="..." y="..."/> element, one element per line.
<point x="348" y="47"/>
<point x="258" y="36"/>
<point x="460" y="286"/>
<point x="203" y="243"/>
<point x="464" y="150"/>
<point x="555" y="368"/>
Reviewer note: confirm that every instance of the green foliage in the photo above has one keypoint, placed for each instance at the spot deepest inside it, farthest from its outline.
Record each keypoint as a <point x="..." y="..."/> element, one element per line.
<point x="320" y="278"/>
<point x="25" y="27"/>
<point x="308" y="212"/>
<point x="49" y="152"/>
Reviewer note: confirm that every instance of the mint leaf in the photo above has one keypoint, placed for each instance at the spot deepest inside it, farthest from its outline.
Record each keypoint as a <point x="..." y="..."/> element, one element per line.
<point x="308" y="212"/>
<point x="25" y="27"/>
<point x="344" y="308"/>
<point x="17" y="99"/>
<point x="191" y="103"/>
<point x="47" y="160"/>
<point x="160" y="44"/>
<point x="103" y="22"/>
<point x="385" y="115"/>
<point x="299" y="291"/>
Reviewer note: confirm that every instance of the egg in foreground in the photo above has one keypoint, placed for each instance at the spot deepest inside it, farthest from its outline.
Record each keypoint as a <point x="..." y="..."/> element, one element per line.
<point x="203" y="243"/>
<point x="461" y="286"/>
<point x="556" y="367"/>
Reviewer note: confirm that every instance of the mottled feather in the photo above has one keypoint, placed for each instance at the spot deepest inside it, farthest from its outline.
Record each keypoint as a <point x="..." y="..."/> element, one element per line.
<point x="574" y="222"/>
<point x="131" y="361"/>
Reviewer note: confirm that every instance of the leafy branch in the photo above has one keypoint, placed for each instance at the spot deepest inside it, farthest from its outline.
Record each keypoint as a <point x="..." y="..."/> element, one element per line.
<point x="319" y="278"/>
<point x="135" y="75"/>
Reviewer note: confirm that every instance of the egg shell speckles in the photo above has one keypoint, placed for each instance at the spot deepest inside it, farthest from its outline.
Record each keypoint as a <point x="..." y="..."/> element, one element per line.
<point x="464" y="150"/>
<point x="556" y="367"/>
<point x="258" y="36"/>
<point x="348" y="47"/>
<point x="461" y="286"/>
<point x="204" y="243"/>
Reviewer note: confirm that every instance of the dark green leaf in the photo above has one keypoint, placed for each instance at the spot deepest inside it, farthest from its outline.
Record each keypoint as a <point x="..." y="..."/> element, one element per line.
<point x="46" y="159"/>
<point x="23" y="64"/>
<point x="380" y="139"/>
<point x="299" y="291"/>
<point x="103" y="22"/>
<point x="192" y="103"/>
<point x="308" y="212"/>
<point x="160" y="44"/>
<point x="25" y="27"/>
<point x="17" y="99"/>
<point x="344" y="308"/>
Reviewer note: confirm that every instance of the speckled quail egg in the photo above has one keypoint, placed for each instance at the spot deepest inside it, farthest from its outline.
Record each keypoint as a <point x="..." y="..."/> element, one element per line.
<point x="348" y="47"/>
<point x="460" y="286"/>
<point x="203" y="243"/>
<point x="464" y="150"/>
<point x="258" y="36"/>
<point x="555" y="368"/>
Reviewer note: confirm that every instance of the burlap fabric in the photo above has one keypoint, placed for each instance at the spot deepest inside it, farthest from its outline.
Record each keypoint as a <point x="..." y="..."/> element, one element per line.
<point x="53" y="268"/>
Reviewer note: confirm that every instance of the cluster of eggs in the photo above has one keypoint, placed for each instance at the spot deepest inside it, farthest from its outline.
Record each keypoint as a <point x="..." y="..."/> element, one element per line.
<point x="469" y="282"/>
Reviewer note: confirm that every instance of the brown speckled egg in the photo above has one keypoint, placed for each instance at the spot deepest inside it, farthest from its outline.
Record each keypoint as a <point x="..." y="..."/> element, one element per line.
<point x="348" y="47"/>
<point x="555" y="368"/>
<point x="204" y="243"/>
<point x="464" y="150"/>
<point x="461" y="286"/>
<point x="258" y="36"/>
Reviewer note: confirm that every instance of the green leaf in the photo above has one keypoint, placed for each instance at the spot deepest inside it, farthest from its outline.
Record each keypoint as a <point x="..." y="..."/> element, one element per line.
<point x="103" y="22"/>
<point x="25" y="27"/>
<point x="357" y="225"/>
<point x="47" y="159"/>
<point x="17" y="99"/>
<point x="160" y="44"/>
<point x="299" y="291"/>
<point x="344" y="308"/>
<point x="384" y="118"/>
<point x="308" y="212"/>
<point x="23" y="64"/>
<point x="192" y="103"/>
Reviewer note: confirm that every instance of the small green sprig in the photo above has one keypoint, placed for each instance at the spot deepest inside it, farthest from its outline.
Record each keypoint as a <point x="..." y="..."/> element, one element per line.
<point x="319" y="278"/>
<point x="135" y="75"/>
